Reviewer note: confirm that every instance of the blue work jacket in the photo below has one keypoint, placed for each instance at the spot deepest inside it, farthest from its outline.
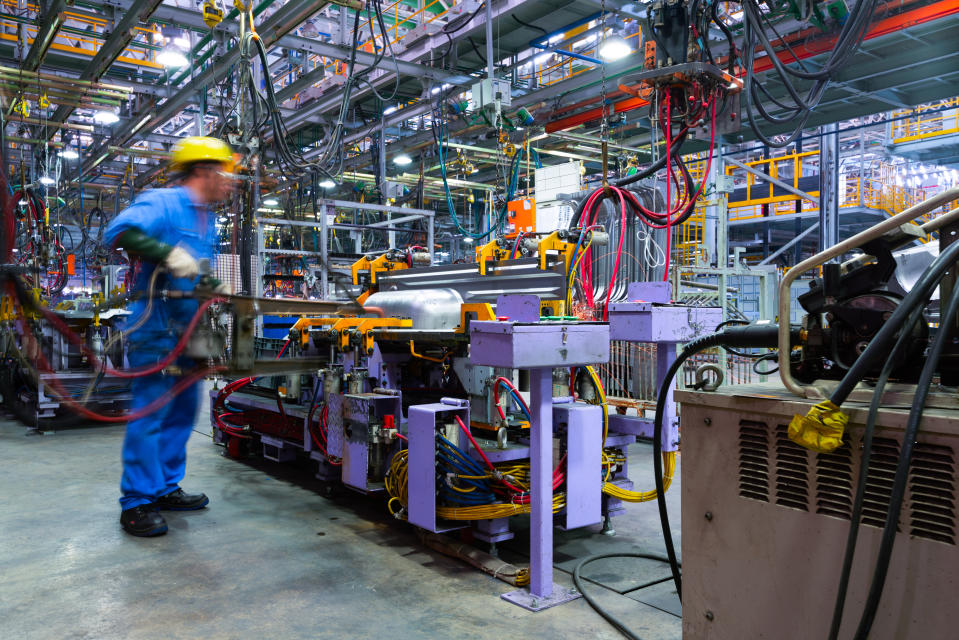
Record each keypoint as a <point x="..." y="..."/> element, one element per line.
<point x="169" y="216"/>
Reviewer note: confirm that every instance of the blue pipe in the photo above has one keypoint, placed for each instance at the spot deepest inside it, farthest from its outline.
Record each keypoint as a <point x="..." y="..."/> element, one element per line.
<point x="541" y="42"/>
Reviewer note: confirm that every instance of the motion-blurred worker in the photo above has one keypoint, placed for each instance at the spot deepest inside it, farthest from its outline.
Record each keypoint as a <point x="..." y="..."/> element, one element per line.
<point x="170" y="230"/>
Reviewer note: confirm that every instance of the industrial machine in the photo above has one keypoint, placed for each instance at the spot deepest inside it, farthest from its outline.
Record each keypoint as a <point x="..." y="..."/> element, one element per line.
<point x="460" y="396"/>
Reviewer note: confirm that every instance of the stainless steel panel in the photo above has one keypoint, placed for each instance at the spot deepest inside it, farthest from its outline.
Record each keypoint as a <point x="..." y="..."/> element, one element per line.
<point x="517" y="276"/>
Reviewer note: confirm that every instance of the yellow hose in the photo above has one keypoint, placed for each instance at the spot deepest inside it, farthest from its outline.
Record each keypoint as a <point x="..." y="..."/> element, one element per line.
<point x="669" y="467"/>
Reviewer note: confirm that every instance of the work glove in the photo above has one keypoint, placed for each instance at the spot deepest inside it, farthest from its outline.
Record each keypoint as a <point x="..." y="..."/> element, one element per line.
<point x="181" y="264"/>
<point x="223" y="289"/>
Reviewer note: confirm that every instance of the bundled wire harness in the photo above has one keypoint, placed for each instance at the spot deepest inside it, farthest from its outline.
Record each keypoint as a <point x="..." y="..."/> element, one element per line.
<point x="795" y="110"/>
<point x="470" y="490"/>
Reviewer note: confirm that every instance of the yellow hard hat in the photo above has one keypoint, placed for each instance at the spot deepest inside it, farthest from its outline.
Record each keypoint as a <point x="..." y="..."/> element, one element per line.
<point x="201" y="149"/>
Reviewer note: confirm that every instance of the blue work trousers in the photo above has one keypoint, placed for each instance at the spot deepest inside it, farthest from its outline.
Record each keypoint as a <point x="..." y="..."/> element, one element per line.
<point x="154" y="449"/>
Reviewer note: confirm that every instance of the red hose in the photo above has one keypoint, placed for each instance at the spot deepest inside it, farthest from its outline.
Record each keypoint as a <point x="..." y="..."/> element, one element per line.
<point x="483" y="454"/>
<point x="76" y="340"/>
<point x="668" y="169"/>
<point x="64" y="397"/>
<point x="509" y="385"/>
<point x="619" y="254"/>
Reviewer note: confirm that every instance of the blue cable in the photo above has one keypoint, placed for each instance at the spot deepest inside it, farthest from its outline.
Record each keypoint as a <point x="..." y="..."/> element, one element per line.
<point x="516" y="398"/>
<point x="519" y="403"/>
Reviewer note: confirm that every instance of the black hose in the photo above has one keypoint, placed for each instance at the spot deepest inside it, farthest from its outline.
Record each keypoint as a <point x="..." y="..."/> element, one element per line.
<point x="578" y="583"/>
<point x="902" y="469"/>
<point x="694" y="347"/>
<point x="880" y="344"/>
<point x="527" y="24"/>
<point x="759" y="334"/>
<point x="904" y="338"/>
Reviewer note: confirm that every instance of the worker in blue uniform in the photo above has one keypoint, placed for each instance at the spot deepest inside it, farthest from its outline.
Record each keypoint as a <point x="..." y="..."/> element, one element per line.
<point x="166" y="231"/>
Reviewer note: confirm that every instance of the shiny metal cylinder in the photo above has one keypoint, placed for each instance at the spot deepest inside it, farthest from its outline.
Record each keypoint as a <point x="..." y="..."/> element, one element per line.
<point x="420" y="258"/>
<point x="429" y="309"/>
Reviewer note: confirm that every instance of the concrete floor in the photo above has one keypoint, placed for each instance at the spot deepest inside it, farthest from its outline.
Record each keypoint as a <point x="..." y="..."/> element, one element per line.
<point x="271" y="558"/>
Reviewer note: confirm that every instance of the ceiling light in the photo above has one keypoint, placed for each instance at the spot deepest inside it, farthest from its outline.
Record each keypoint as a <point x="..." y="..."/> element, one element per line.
<point x="47" y="180"/>
<point x="327" y="184"/>
<point x="172" y="58"/>
<point x="271" y="202"/>
<point x="106" y="117"/>
<point x="614" y="48"/>
<point x="435" y="90"/>
<point x="69" y="154"/>
<point x="387" y="111"/>
<point x="467" y="241"/>
<point x="403" y="160"/>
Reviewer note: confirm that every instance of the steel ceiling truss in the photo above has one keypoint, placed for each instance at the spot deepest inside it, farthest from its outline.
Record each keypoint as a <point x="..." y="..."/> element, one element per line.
<point x="885" y="74"/>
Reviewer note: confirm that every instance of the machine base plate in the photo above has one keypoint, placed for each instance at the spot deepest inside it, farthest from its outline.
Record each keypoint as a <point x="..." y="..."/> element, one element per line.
<point x="528" y="601"/>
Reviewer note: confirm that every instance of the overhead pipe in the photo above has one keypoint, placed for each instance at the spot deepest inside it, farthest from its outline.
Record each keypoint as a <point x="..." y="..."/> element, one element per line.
<point x="73" y="81"/>
<point x="543" y="44"/>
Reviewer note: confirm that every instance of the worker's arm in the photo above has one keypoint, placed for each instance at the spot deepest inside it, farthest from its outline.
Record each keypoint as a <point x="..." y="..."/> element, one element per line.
<point x="178" y="261"/>
<point x="136" y="243"/>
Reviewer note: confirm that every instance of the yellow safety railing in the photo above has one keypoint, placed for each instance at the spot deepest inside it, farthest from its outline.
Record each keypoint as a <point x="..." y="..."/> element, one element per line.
<point x="689" y="248"/>
<point x="135" y="53"/>
<point x="876" y="189"/>
<point x="408" y="22"/>
<point x="925" y="121"/>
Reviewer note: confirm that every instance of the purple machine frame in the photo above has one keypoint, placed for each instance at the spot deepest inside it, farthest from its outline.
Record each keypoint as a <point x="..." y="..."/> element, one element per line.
<point x="540" y="347"/>
<point x="650" y="317"/>
<point x="424" y="420"/>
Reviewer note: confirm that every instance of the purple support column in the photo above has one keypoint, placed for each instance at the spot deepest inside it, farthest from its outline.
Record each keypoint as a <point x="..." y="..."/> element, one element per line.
<point x="541" y="483"/>
<point x="665" y="356"/>
<point x="542" y="593"/>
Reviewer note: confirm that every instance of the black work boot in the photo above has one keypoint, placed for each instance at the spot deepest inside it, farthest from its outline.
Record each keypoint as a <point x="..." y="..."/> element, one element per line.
<point x="181" y="501"/>
<point x="142" y="521"/>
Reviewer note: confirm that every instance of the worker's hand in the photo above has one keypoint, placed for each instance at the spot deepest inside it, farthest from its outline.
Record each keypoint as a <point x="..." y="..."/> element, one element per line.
<point x="223" y="289"/>
<point x="181" y="264"/>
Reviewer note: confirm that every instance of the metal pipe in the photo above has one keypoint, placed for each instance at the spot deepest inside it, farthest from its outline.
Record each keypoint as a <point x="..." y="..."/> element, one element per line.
<point x="56" y="95"/>
<point x="18" y="140"/>
<point x="17" y="73"/>
<point x="205" y="40"/>
<point x="706" y="285"/>
<point x="542" y="42"/>
<point x="144" y="153"/>
<point x="849" y="244"/>
<point x="64" y="125"/>
<point x="489" y="39"/>
<point x="939" y="221"/>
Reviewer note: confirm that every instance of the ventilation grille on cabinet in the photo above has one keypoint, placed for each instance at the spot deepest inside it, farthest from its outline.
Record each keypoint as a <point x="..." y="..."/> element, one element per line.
<point x="882" y="472"/>
<point x="792" y="472"/>
<point x="754" y="460"/>
<point x="930" y="504"/>
<point x="834" y="482"/>
<point x="932" y="487"/>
